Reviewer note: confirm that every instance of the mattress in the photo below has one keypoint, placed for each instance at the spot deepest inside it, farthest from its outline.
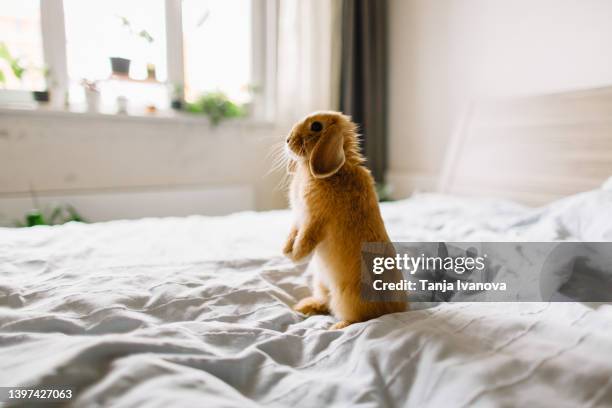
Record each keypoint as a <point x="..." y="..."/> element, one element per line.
<point x="196" y="311"/>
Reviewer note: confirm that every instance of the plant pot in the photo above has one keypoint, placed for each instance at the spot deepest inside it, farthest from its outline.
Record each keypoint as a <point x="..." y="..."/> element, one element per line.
<point x="177" y="104"/>
<point x="151" y="72"/>
<point x="41" y="96"/>
<point x="122" y="104"/>
<point x="93" y="100"/>
<point x="120" y="66"/>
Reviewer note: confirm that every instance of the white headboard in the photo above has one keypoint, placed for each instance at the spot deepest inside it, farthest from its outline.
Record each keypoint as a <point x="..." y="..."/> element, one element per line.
<point x="532" y="149"/>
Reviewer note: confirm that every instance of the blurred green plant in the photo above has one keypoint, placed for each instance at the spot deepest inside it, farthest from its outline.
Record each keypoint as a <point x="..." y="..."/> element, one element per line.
<point x="14" y="63"/>
<point x="127" y="25"/>
<point x="384" y="193"/>
<point x="56" y="215"/>
<point x="217" y="106"/>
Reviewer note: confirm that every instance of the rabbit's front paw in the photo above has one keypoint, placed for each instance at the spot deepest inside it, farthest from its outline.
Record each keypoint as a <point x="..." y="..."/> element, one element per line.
<point x="340" y="325"/>
<point x="288" y="248"/>
<point x="311" y="306"/>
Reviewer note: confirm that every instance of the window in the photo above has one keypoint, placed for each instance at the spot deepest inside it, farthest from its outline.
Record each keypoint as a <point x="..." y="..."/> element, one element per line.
<point x="21" y="52"/>
<point x="98" y="32"/>
<point x="143" y="50"/>
<point x="217" y="48"/>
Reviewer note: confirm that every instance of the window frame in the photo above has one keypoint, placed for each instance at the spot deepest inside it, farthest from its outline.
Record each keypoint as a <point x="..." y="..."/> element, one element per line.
<point x="263" y="55"/>
<point x="53" y="31"/>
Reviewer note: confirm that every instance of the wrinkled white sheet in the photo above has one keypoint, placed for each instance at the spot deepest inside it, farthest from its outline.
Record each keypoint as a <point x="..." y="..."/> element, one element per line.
<point x="197" y="312"/>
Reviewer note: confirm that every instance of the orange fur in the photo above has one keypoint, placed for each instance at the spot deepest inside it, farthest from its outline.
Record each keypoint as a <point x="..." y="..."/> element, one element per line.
<point x="334" y="201"/>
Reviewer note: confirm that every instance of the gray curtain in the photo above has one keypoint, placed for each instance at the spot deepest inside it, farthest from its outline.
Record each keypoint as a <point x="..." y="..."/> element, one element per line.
<point x="363" y="93"/>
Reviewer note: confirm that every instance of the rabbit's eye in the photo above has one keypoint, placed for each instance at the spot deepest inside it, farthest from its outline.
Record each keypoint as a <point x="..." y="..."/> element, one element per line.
<point x="316" y="126"/>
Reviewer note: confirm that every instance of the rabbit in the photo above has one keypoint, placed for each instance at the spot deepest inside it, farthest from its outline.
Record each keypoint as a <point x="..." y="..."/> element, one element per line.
<point x="335" y="206"/>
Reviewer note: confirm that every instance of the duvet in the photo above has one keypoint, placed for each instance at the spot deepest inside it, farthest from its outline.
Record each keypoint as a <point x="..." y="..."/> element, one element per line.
<point x="196" y="311"/>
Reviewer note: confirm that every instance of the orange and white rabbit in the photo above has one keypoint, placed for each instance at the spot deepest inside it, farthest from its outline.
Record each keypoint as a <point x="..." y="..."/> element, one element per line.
<point x="336" y="210"/>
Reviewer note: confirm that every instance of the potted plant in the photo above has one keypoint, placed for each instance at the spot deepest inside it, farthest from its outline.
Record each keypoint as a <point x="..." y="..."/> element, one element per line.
<point x="57" y="214"/>
<point x="45" y="95"/>
<point x="217" y="106"/>
<point x="176" y="97"/>
<point x="151" y="74"/>
<point x="121" y="66"/>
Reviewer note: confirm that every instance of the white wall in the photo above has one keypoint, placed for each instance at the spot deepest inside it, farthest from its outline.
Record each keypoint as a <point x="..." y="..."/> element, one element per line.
<point x="64" y="154"/>
<point x="444" y="53"/>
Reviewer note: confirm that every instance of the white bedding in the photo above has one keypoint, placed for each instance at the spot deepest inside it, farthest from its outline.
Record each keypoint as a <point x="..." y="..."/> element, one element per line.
<point x="197" y="312"/>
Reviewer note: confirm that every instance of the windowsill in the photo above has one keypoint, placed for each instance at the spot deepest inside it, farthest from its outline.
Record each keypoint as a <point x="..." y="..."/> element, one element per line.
<point x="164" y="116"/>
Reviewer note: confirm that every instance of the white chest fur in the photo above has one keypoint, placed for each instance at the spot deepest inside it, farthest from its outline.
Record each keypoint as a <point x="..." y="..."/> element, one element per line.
<point x="297" y="200"/>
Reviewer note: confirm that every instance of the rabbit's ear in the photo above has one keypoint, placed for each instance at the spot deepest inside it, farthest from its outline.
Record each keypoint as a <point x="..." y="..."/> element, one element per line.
<point x="291" y="166"/>
<point x="327" y="157"/>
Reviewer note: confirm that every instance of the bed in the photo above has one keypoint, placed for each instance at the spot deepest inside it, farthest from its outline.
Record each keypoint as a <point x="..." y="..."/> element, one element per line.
<point x="196" y="311"/>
